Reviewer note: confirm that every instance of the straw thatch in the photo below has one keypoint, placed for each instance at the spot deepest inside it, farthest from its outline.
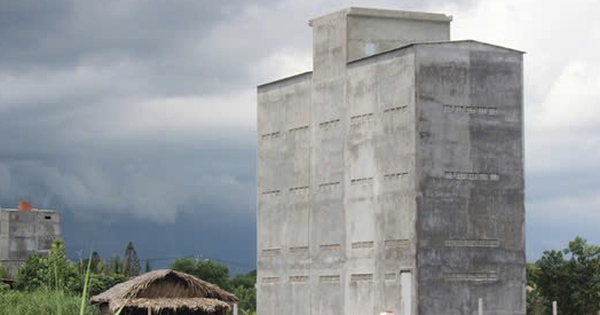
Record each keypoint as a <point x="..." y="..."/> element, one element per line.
<point x="193" y="305"/>
<point x="167" y="290"/>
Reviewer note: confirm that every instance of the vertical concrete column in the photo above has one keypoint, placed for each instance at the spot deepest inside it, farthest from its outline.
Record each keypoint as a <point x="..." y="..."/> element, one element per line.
<point x="328" y="217"/>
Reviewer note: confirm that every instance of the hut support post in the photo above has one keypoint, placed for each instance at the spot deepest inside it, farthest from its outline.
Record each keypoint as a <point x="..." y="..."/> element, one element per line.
<point x="149" y="311"/>
<point x="235" y="309"/>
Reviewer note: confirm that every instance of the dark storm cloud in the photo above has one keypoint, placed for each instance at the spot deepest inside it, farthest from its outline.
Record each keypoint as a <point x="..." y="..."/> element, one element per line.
<point x="152" y="179"/>
<point x="168" y="44"/>
<point x="70" y="72"/>
<point x="73" y="73"/>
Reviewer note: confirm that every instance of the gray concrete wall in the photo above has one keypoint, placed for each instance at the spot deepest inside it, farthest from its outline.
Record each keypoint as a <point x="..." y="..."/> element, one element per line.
<point x="368" y="35"/>
<point x="25" y="232"/>
<point x="283" y="178"/>
<point x="328" y="237"/>
<point x="471" y="241"/>
<point x="4" y="235"/>
<point x="379" y="198"/>
<point x="335" y="233"/>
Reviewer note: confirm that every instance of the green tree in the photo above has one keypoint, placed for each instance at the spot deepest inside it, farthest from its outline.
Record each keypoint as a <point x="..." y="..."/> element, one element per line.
<point x="245" y="280"/>
<point x="536" y="304"/>
<point x="116" y="265"/>
<point x="57" y="265"/>
<point x="185" y="264"/>
<point x="147" y="268"/>
<point x="206" y="270"/>
<point x="571" y="277"/>
<point x="132" y="263"/>
<point x="31" y="275"/>
<point x="96" y="265"/>
<point x="215" y="273"/>
<point x="62" y="274"/>
<point x="102" y="282"/>
<point x="243" y="287"/>
<point x="52" y="272"/>
<point x="247" y="298"/>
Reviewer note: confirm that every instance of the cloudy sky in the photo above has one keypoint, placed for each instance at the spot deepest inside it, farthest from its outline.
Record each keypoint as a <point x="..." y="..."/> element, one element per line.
<point x="136" y="119"/>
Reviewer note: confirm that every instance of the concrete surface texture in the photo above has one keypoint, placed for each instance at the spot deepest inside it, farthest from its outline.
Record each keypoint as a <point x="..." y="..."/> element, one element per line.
<point x="24" y="231"/>
<point x="390" y="179"/>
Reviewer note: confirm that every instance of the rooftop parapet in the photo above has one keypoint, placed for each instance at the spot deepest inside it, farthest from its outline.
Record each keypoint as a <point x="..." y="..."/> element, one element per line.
<point x="361" y="32"/>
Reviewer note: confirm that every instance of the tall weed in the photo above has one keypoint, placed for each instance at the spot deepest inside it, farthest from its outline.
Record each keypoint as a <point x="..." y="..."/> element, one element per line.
<point x="42" y="302"/>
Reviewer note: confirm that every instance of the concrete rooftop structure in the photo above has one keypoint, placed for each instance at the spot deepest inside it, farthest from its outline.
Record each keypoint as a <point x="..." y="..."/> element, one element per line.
<point x="390" y="178"/>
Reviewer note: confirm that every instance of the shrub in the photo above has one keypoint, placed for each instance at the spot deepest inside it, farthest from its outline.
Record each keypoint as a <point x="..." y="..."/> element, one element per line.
<point x="53" y="272"/>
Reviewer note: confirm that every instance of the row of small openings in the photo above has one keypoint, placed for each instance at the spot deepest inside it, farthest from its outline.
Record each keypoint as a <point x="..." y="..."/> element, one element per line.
<point x="333" y="122"/>
<point x="389" y="243"/>
<point x="355" y="277"/>
<point x="486" y="276"/>
<point x="470" y="109"/>
<point x="480" y="176"/>
<point x="334" y="185"/>
<point x="16" y="217"/>
<point x="369" y="181"/>
<point x="448" y="108"/>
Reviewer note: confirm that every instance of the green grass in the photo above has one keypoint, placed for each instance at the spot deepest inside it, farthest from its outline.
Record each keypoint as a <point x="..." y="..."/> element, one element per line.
<point x="42" y="303"/>
<point x="48" y="302"/>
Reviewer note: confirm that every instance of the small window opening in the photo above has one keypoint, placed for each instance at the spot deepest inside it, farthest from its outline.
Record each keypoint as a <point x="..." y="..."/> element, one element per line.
<point x="48" y="217"/>
<point x="370" y="49"/>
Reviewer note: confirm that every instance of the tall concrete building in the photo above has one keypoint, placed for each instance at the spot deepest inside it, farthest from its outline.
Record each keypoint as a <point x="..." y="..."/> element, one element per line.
<point x="24" y="231"/>
<point x="390" y="178"/>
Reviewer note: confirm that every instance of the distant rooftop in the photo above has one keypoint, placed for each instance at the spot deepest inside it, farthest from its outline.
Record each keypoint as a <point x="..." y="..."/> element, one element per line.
<point x="25" y="206"/>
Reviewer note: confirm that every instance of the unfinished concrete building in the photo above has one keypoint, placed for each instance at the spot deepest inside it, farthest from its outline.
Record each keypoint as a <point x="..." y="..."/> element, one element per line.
<point x="390" y="178"/>
<point x="24" y="231"/>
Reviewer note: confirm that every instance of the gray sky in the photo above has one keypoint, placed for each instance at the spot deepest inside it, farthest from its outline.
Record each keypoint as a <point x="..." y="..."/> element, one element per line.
<point x="149" y="107"/>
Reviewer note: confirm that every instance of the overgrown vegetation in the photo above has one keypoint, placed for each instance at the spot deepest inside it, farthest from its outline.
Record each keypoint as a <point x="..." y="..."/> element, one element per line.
<point x="571" y="277"/>
<point x="243" y="287"/>
<point x="53" y="272"/>
<point x="52" y="284"/>
<point x="41" y="302"/>
<point x="206" y="270"/>
<point x="3" y="272"/>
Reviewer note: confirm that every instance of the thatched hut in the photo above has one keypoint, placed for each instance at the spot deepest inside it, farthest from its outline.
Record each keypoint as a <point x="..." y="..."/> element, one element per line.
<point x="165" y="292"/>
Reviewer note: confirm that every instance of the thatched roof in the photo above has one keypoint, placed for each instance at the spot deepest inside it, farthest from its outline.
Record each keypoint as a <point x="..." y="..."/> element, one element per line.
<point x="212" y="306"/>
<point x="167" y="289"/>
